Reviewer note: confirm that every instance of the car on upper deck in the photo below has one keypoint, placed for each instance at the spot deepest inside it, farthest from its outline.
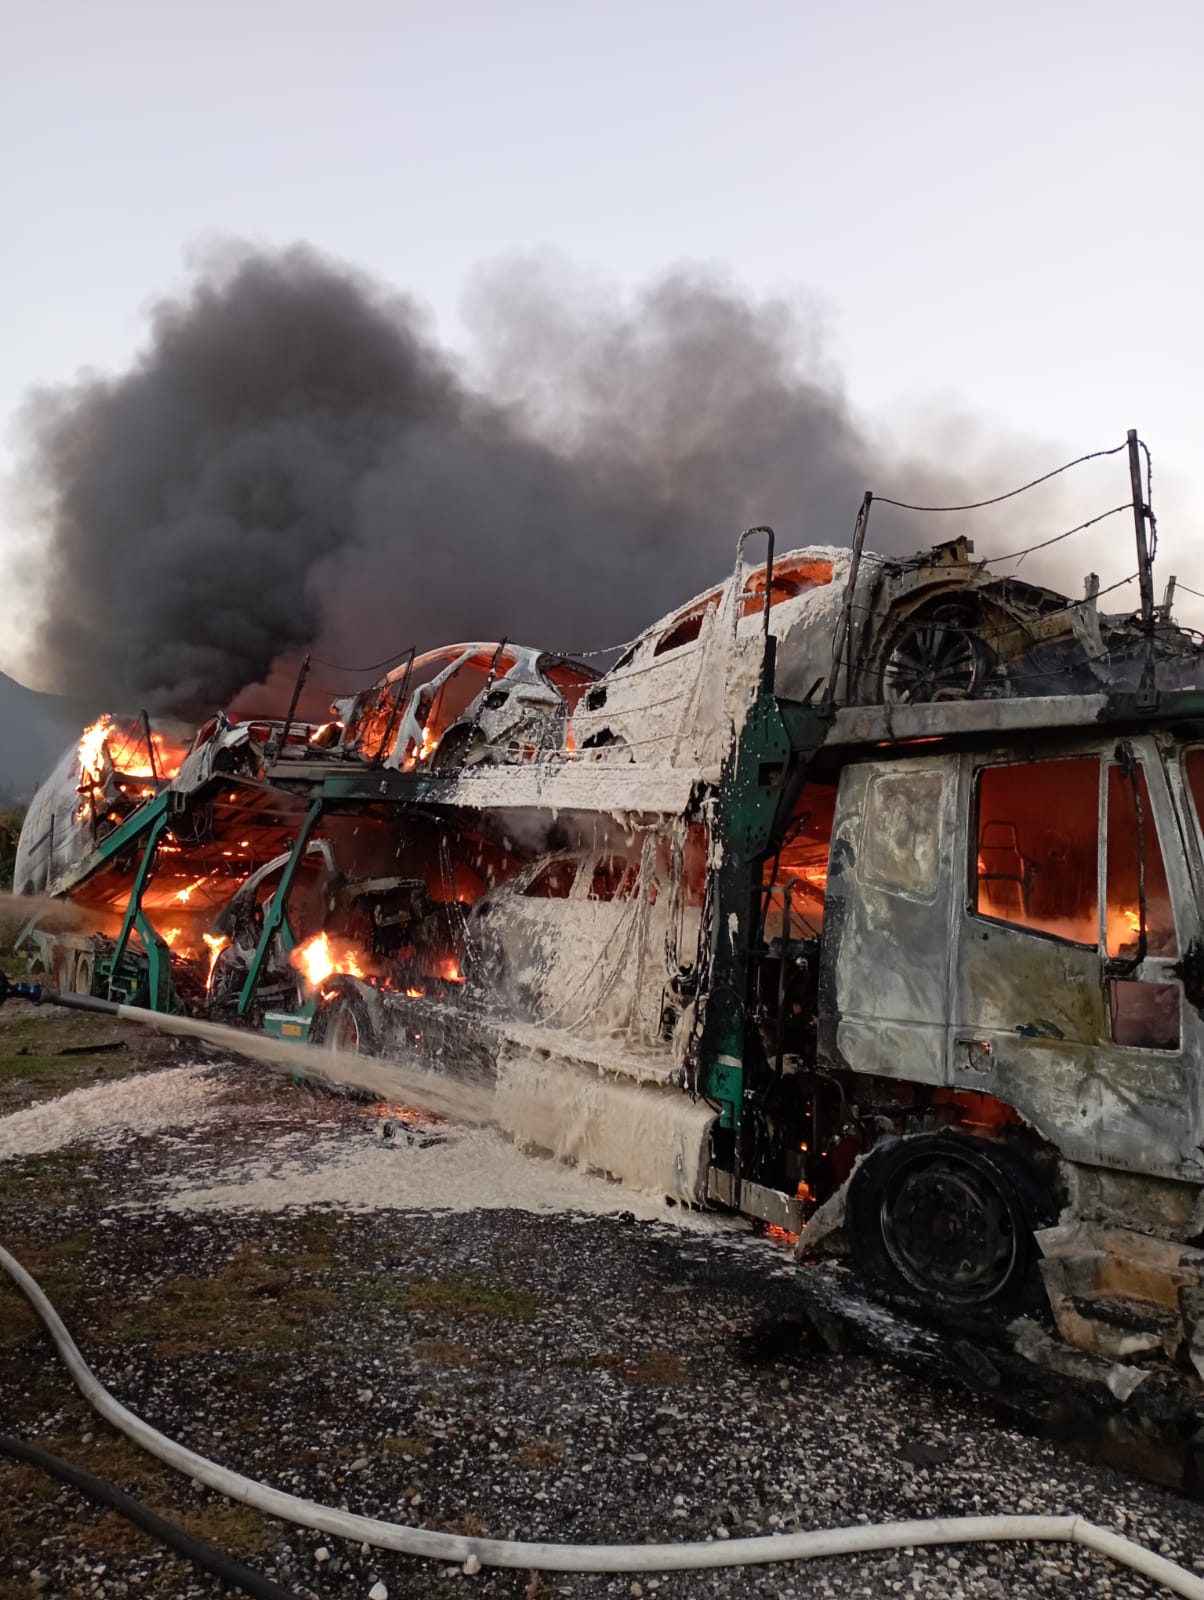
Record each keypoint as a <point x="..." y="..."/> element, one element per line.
<point x="466" y="704"/>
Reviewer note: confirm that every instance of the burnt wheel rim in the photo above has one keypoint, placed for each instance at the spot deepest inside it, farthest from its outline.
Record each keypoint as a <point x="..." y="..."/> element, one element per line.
<point x="950" y="1231"/>
<point x="937" y="660"/>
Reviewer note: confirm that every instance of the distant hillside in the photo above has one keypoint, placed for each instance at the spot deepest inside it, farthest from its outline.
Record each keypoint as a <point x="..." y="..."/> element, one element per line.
<point x="35" y="730"/>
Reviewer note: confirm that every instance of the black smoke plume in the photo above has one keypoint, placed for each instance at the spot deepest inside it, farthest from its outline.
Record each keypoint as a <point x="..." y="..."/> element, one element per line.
<point x="293" y="461"/>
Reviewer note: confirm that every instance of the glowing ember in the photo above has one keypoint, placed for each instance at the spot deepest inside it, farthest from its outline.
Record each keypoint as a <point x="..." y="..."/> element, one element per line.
<point x="217" y="942"/>
<point x="450" y="970"/>
<point x="317" y="958"/>
<point x="415" y="994"/>
<point x="398" y="1113"/>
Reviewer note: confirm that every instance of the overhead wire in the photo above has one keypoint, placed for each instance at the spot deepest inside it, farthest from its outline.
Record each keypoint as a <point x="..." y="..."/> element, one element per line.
<point x="903" y="505"/>
<point x="373" y="666"/>
<point x="978" y="505"/>
<point x="1044" y="544"/>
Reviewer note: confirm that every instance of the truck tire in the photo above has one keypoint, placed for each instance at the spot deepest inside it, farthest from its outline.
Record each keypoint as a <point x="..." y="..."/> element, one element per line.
<point x="946" y="1221"/>
<point x="85" y="972"/>
<point x="344" y="1023"/>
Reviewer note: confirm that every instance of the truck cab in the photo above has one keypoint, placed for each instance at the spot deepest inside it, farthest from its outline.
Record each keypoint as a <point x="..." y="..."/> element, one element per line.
<point x="989" y="1075"/>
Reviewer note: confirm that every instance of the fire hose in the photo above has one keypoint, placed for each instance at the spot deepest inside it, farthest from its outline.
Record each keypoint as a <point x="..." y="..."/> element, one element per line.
<point x="202" y="1554"/>
<point x="474" y="1553"/>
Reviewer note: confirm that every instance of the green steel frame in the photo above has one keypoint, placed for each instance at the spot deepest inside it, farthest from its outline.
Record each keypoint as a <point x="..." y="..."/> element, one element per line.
<point x="276" y="919"/>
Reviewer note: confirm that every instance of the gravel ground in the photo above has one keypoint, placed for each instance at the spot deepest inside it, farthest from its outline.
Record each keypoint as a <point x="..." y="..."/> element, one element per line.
<point x="553" y="1374"/>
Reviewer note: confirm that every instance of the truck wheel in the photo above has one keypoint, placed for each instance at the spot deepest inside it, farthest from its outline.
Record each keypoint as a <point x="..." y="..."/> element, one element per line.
<point x="62" y="971"/>
<point x="344" y="1024"/>
<point x="85" y="971"/>
<point x="945" y="1219"/>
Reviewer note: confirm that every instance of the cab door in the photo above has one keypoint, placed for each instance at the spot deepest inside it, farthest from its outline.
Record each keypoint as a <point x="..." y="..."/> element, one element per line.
<point x="1067" y="1000"/>
<point x="889" y="909"/>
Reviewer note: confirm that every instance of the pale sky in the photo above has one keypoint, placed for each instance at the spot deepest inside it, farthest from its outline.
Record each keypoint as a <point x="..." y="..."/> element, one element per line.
<point x="998" y="206"/>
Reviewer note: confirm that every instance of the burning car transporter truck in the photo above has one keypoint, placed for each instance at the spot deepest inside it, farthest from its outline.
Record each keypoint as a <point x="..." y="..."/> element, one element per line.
<point x="918" y="969"/>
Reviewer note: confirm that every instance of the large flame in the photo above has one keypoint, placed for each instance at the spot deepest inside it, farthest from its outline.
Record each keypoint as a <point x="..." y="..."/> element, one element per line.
<point x="92" y="751"/>
<point x="316" y="958"/>
<point x="127" y="753"/>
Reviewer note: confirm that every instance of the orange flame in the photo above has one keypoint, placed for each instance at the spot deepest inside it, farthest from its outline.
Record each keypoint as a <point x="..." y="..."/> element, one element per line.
<point x="127" y="753"/>
<point x="317" y="958"/>
<point x="92" y="749"/>
<point x="185" y="895"/>
<point x="217" y="942"/>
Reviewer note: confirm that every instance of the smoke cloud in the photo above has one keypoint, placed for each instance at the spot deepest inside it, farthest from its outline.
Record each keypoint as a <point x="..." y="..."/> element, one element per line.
<point x="293" y="461"/>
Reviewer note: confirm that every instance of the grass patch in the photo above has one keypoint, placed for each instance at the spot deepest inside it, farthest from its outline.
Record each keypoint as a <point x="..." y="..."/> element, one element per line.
<point x="656" y="1367"/>
<point x="231" y="1527"/>
<point x="254" y="1302"/>
<point x="42" y="1056"/>
<point x="59" y="1268"/>
<point x="457" y="1297"/>
<point x="439" y="1353"/>
<point x="19" y="1589"/>
<point x="52" y="1180"/>
<point x="405" y="1445"/>
<point x="106" y="1535"/>
<point x="468" y="1527"/>
<point x="538" y="1454"/>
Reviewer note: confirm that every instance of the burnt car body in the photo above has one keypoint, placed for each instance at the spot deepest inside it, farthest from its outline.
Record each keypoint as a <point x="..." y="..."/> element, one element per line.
<point x="938" y="626"/>
<point x="465" y="704"/>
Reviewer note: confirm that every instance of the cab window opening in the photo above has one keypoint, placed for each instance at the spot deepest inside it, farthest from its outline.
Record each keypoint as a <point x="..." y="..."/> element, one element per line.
<point x="800" y="864"/>
<point x="1122" y="922"/>
<point x="1037" y="847"/>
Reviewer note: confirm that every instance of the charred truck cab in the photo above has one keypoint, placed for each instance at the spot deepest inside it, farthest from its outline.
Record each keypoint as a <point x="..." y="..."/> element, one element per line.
<point x="953" y="1008"/>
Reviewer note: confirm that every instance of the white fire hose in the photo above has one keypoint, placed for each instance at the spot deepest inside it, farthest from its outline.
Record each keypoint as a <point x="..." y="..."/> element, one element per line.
<point x="475" y="1553"/>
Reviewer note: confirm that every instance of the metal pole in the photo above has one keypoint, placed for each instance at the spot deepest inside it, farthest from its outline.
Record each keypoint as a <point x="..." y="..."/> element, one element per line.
<point x="384" y="749"/>
<point x="846" y="610"/>
<point x="1145" y="575"/>
<point x="292" y="707"/>
<point x="150" y="746"/>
